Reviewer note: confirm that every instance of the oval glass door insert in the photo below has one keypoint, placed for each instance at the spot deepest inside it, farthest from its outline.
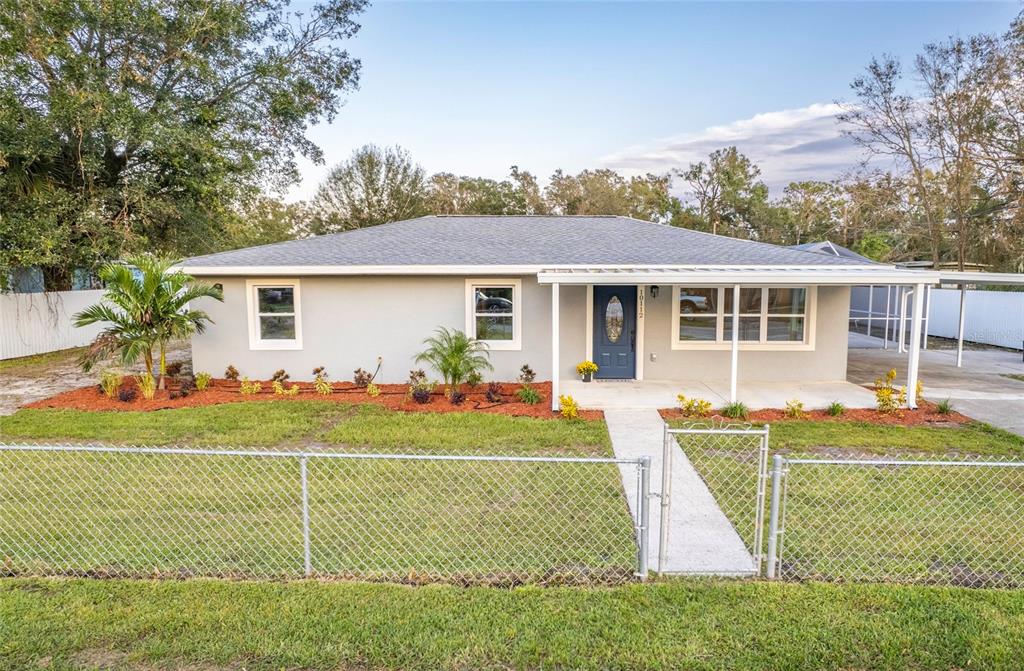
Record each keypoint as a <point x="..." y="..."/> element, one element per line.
<point x="613" y="319"/>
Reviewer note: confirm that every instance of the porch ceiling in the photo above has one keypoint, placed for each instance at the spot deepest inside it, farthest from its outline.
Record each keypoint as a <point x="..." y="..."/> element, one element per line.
<point x="796" y="275"/>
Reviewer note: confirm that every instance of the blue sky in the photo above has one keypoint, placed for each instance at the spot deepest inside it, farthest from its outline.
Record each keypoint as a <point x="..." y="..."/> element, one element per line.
<point x="475" y="87"/>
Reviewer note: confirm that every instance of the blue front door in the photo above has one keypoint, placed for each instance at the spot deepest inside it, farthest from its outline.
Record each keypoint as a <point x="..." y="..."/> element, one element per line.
<point x="615" y="332"/>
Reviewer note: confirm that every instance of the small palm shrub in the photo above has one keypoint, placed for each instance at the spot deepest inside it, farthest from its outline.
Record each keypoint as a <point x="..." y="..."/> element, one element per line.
<point x="249" y="387"/>
<point x="231" y="373"/>
<point x="835" y="409"/>
<point x="944" y="407"/>
<point x="147" y="385"/>
<point x="736" y="410"/>
<point x="569" y="409"/>
<point x="526" y="374"/>
<point x="110" y="382"/>
<point x="322" y="386"/>
<point x="795" y="409"/>
<point x="455" y="356"/>
<point x="203" y="381"/>
<point x="494" y="392"/>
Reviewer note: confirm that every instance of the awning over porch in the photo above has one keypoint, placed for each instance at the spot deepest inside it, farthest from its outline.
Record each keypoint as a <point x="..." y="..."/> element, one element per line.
<point x="744" y="275"/>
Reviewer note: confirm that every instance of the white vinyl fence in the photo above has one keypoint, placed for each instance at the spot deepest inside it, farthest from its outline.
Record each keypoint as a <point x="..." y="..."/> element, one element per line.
<point x="41" y="322"/>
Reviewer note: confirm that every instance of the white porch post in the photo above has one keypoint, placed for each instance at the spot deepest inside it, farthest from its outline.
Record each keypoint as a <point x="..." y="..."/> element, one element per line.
<point x="888" y="316"/>
<point x="960" y="327"/>
<point x="903" y="320"/>
<point x="927" y="315"/>
<point x="735" y="342"/>
<point x="915" y="344"/>
<point x="871" y="304"/>
<point x="555" y="405"/>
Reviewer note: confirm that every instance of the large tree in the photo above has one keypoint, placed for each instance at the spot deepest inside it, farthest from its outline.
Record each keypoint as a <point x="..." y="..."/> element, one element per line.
<point x="605" y="191"/>
<point x="451" y="194"/>
<point x="729" y="196"/>
<point x="374" y="186"/>
<point x="140" y="124"/>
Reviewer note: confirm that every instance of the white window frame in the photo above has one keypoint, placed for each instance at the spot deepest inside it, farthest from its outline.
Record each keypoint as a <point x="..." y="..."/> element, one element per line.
<point x="720" y="343"/>
<point x="516" y="343"/>
<point x="252" y="310"/>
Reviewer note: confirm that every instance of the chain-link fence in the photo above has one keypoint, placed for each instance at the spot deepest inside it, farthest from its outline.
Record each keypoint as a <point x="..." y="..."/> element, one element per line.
<point x="731" y="460"/>
<point x="175" y="512"/>
<point x="898" y="520"/>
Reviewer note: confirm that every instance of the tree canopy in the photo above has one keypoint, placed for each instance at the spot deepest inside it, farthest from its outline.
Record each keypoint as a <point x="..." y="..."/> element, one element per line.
<point x="142" y="124"/>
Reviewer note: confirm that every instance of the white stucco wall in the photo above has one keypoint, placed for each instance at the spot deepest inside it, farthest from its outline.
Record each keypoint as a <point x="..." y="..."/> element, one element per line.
<point x="347" y="322"/>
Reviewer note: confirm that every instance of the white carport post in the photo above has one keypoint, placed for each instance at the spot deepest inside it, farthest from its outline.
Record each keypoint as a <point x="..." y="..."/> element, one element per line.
<point x="960" y="327"/>
<point x="735" y="342"/>
<point x="555" y="404"/>
<point x="916" y="315"/>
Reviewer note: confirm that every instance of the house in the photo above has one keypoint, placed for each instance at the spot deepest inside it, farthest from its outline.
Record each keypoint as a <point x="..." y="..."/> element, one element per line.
<point x="645" y="301"/>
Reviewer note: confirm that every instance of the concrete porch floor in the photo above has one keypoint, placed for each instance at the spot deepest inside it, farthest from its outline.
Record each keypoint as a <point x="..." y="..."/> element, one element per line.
<point x="756" y="395"/>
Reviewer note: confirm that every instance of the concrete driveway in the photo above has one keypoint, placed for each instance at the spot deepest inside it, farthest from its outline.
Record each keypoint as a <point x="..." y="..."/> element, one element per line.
<point x="980" y="389"/>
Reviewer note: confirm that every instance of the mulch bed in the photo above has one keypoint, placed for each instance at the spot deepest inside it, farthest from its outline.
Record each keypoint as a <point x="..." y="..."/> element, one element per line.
<point x="392" y="396"/>
<point x="927" y="414"/>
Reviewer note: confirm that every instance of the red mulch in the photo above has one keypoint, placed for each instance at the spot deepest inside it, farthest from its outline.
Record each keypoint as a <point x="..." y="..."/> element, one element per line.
<point x="926" y="414"/>
<point x="392" y="396"/>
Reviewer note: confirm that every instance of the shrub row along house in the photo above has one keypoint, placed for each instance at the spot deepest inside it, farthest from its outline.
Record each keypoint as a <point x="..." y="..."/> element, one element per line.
<point x="643" y="300"/>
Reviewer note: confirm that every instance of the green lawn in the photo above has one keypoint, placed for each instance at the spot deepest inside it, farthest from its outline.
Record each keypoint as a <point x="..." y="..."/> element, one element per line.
<point x="291" y="423"/>
<point x="915" y="524"/>
<point x="213" y="625"/>
<point x="31" y="365"/>
<point x="138" y="515"/>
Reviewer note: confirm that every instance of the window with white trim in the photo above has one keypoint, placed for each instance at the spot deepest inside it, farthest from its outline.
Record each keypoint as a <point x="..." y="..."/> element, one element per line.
<point x="274" y="314"/>
<point x="769" y="317"/>
<point x="492" y="312"/>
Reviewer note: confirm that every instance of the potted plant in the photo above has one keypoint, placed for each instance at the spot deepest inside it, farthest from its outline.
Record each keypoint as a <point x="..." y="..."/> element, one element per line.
<point x="586" y="370"/>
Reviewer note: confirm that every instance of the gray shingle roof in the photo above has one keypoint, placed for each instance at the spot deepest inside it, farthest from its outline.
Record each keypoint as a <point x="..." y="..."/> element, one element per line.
<point x="517" y="240"/>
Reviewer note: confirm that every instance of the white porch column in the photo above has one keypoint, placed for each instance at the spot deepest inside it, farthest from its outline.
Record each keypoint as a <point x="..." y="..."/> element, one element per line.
<point x="916" y="315"/>
<point x="555" y="405"/>
<point x="871" y="304"/>
<point x="927" y="315"/>
<point x="960" y="327"/>
<point x="735" y="342"/>
<point x="903" y="320"/>
<point x="888" y="316"/>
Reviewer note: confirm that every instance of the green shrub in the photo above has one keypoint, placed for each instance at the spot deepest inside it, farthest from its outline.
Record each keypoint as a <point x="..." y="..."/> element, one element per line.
<point x="372" y="390"/>
<point x="694" y="407"/>
<point x="249" y="387"/>
<point x="736" y="410"/>
<point x="203" y="381"/>
<point x="888" y="397"/>
<point x="528" y="394"/>
<point x="231" y="373"/>
<point x="794" y="409"/>
<point x="110" y="382"/>
<point x="944" y="407"/>
<point x="474" y="379"/>
<point x="835" y="408"/>
<point x="455" y="356"/>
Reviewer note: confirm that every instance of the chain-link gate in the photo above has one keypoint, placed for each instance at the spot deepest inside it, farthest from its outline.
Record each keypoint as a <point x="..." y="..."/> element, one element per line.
<point x="723" y="471"/>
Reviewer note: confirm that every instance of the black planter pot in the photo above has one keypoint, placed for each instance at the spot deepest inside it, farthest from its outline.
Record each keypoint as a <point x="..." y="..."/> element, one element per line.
<point x="587" y="377"/>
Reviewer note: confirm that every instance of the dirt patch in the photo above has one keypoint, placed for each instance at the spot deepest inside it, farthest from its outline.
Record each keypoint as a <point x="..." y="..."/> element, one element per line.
<point x="102" y="659"/>
<point x="392" y="396"/>
<point x="927" y="414"/>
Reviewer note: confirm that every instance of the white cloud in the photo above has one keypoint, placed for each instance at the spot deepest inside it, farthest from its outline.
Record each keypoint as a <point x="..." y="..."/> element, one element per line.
<point x="789" y="145"/>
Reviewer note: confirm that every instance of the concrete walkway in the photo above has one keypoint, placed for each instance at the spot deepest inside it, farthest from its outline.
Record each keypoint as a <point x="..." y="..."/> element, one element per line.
<point x="701" y="539"/>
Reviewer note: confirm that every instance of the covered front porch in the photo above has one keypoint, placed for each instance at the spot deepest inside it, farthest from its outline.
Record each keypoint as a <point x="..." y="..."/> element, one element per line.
<point x="603" y="394"/>
<point x="780" y="334"/>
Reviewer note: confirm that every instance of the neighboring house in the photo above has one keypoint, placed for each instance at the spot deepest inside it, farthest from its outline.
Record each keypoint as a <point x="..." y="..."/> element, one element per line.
<point x="645" y="301"/>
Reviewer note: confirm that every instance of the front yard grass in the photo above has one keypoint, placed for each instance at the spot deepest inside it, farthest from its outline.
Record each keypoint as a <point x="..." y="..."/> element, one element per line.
<point x="918" y="523"/>
<point x="131" y="514"/>
<point x="299" y="423"/>
<point x="123" y="625"/>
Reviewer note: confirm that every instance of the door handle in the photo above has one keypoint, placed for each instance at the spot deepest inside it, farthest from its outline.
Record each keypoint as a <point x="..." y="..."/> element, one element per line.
<point x="632" y="340"/>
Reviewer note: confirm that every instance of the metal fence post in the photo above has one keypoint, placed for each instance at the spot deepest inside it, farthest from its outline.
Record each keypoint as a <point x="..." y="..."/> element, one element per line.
<point x="762" y="487"/>
<point x="666" y="498"/>
<point x="306" y="554"/>
<point x="643" y="511"/>
<point x="773" y="522"/>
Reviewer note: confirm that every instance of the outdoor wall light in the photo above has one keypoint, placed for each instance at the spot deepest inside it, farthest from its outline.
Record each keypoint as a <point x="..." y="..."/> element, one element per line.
<point x="654" y="291"/>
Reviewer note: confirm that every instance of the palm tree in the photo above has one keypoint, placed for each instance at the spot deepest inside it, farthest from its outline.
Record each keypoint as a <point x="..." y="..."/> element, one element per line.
<point x="144" y="309"/>
<point x="454" y="355"/>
